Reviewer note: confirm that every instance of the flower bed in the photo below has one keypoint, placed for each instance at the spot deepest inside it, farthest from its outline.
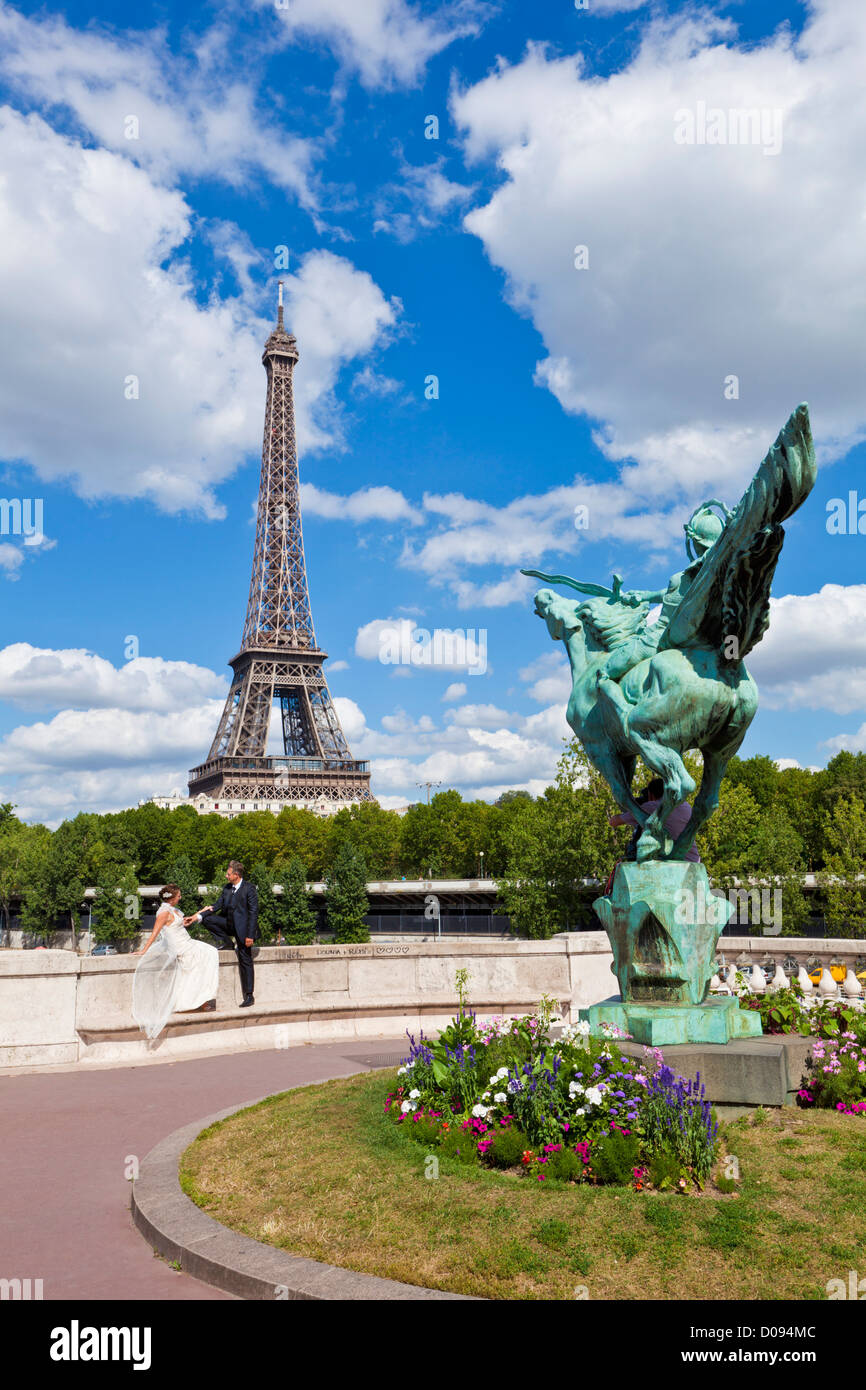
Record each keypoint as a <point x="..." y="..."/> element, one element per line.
<point x="836" y="1074"/>
<point x="503" y="1095"/>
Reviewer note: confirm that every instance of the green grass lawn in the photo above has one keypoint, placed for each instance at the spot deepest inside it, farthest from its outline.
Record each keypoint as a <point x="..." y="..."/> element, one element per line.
<point x="321" y="1172"/>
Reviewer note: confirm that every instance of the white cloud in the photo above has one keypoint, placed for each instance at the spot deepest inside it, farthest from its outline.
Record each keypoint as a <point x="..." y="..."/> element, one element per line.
<point x="42" y="678"/>
<point x="401" y="723"/>
<point x="402" y="644"/>
<point x="95" y="739"/>
<point x="91" y="276"/>
<point x="614" y="6"/>
<point x="847" y="743"/>
<point x="475" y="533"/>
<point x="455" y="691"/>
<point x="387" y="42"/>
<point x="62" y="794"/>
<point x="136" y="731"/>
<point x="370" y="383"/>
<point x="479" y="716"/>
<point x="11" y="559"/>
<point x="367" y="504"/>
<point x="193" y="118"/>
<point x="334" y="666"/>
<point x="695" y="252"/>
<point x="814" y="653"/>
<point x="549" y="678"/>
<point x="418" y="200"/>
<point x="337" y="313"/>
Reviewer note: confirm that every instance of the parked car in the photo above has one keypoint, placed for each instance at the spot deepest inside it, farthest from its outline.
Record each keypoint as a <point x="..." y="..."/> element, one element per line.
<point x="104" y="950"/>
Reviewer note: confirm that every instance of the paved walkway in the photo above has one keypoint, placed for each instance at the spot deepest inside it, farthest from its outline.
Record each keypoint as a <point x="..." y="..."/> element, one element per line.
<point x="64" y="1141"/>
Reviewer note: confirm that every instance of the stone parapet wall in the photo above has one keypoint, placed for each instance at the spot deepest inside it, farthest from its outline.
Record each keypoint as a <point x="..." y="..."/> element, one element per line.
<point x="58" y="1008"/>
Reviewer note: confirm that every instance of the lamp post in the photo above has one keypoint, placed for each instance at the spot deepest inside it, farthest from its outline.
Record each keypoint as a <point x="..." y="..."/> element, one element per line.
<point x="481" y="863"/>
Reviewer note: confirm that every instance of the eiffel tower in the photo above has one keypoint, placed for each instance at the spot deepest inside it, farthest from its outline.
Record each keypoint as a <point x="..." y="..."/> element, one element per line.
<point x="279" y="657"/>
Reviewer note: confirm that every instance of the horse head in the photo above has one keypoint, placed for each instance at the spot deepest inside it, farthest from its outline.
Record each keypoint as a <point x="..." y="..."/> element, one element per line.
<point x="559" y="613"/>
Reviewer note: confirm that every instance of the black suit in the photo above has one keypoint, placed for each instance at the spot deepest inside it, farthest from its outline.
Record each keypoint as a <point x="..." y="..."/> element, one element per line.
<point x="235" y="919"/>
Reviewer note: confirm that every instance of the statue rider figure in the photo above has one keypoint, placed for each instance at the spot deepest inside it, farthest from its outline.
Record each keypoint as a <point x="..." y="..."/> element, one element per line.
<point x="702" y="531"/>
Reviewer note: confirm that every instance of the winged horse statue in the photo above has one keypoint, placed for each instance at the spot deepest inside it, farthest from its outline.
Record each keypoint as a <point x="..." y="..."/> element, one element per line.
<point x="659" y="689"/>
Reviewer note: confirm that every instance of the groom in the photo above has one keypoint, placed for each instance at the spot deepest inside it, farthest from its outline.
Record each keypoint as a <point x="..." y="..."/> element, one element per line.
<point x="236" y="919"/>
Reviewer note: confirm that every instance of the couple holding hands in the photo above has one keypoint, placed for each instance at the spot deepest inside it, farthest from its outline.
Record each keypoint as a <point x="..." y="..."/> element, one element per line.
<point x="176" y="973"/>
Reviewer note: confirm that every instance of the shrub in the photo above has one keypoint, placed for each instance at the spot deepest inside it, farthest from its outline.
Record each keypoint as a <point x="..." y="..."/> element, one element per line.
<point x="424" y="1130"/>
<point x="460" y="1144"/>
<point x="508" y="1147"/>
<point x="664" y="1170"/>
<point x="565" y="1166"/>
<point x="615" y="1158"/>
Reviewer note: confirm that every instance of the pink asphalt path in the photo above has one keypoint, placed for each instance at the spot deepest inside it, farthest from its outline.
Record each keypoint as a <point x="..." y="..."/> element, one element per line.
<point x="64" y="1140"/>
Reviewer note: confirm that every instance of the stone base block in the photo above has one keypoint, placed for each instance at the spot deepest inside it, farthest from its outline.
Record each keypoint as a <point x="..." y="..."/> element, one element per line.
<point x="718" y="1020"/>
<point x="752" y="1071"/>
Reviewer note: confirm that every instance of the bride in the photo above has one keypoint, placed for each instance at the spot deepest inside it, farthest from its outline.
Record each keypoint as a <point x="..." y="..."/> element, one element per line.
<point x="175" y="972"/>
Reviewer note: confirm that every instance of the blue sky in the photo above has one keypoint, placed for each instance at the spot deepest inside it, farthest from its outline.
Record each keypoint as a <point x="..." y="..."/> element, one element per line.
<point x="303" y="125"/>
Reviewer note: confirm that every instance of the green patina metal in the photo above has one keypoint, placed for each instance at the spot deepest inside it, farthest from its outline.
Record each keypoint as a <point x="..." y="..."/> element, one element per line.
<point x="656" y="690"/>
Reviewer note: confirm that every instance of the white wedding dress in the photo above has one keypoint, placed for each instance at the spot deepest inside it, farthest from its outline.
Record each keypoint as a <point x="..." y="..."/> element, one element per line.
<point x="176" y="973"/>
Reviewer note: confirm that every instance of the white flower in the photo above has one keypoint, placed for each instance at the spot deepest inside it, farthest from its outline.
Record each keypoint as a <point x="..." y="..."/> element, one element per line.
<point x="409" y="1105"/>
<point x="480" y="1111"/>
<point x="503" y="1071"/>
<point x="413" y="1095"/>
<point x="581" y="1111"/>
<point x="593" y="1095"/>
<point x="575" y="1088"/>
<point x="582" y="1027"/>
<point x="500" y="1098"/>
<point x="401" y="1071"/>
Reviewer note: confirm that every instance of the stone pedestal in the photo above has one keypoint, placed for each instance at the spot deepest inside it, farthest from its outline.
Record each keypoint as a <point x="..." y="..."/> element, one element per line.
<point x="718" y="1020"/>
<point x="664" y="923"/>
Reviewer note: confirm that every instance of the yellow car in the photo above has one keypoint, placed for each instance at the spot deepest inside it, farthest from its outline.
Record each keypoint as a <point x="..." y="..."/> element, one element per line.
<point x="837" y="971"/>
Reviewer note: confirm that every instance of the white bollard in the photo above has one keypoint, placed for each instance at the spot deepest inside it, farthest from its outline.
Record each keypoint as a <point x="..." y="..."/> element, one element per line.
<point x="779" y="981"/>
<point x="827" y="985"/>
<point x="758" y="980"/>
<point x="851" y="986"/>
<point x="803" y="981"/>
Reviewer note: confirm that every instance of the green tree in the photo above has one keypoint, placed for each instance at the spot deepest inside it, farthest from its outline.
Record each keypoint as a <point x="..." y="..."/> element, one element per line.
<point x="759" y="774"/>
<point x="561" y="839"/>
<point x="347" y="901"/>
<point x="56" y="879"/>
<point x="264" y="879"/>
<point x="444" y="839"/>
<point x="297" y="916"/>
<point x="149" y="828"/>
<point x="182" y="872"/>
<point x="306" y="835"/>
<point x="375" y="834"/>
<point x="116" y="906"/>
<point x="20" y="845"/>
<point x="510" y="796"/>
<point x="255" y="838"/>
<point x="845" y="838"/>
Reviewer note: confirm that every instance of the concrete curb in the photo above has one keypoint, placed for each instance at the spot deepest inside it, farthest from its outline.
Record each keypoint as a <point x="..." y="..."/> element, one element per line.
<point x="179" y="1231"/>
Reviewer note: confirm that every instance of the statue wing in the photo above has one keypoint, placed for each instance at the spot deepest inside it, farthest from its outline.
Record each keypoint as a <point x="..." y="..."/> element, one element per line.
<point x="730" y="596"/>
